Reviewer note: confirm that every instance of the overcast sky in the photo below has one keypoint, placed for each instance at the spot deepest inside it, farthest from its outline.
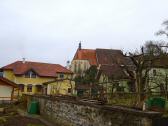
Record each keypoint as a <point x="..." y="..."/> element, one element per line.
<point x="50" y="30"/>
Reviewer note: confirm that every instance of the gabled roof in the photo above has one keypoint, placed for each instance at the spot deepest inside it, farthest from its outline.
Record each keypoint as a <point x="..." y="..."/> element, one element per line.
<point x="161" y="62"/>
<point x="8" y="82"/>
<point x="41" y="69"/>
<point x="153" y="61"/>
<point x="113" y="72"/>
<point x="86" y="54"/>
<point x="109" y="56"/>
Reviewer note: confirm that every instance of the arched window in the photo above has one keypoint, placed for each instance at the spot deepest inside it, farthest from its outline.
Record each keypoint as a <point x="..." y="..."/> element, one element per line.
<point x="75" y="67"/>
<point x="85" y="68"/>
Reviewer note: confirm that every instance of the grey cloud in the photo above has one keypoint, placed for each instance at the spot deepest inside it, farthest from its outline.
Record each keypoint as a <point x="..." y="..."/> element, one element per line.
<point x="49" y="31"/>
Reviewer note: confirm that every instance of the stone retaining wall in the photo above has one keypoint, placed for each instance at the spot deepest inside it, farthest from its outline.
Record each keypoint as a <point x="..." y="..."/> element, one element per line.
<point x="75" y="113"/>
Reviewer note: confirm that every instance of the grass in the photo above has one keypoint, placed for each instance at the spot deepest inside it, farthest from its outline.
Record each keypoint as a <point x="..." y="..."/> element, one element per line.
<point x="123" y="100"/>
<point x="2" y="120"/>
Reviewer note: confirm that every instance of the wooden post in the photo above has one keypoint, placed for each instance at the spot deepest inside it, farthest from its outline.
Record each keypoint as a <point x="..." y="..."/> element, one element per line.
<point x="90" y="92"/>
<point x="166" y="88"/>
<point x="12" y="94"/>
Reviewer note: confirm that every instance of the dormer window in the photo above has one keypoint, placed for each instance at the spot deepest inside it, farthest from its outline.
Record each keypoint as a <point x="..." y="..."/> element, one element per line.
<point x="30" y="74"/>
<point x="61" y="76"/>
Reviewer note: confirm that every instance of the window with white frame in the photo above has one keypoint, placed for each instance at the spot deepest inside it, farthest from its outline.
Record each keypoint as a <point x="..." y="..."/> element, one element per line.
<point x="61" y="76"/>
<point x="29" y="88"/>
<point x="30" y="74"/>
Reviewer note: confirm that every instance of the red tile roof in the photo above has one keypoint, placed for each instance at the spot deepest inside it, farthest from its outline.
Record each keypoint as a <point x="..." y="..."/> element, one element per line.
<point x="41" y="69"/>
<point x="86" y="54"/>
<point x="8" y="82"/>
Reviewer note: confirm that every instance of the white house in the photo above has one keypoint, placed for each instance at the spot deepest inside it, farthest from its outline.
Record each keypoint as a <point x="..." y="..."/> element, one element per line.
<point x="7" y="90"/>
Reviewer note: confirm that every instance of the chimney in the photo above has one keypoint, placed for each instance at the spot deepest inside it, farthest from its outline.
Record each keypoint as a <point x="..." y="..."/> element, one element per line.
<point x="80" y="45"/>
<point x="23" y="60"/>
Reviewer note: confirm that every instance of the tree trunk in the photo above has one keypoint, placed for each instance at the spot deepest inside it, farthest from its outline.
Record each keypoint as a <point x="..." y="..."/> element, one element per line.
<point x="138" y="90"/>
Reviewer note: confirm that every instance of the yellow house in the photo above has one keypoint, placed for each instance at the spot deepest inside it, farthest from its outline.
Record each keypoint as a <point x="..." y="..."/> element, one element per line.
<point x="60" y="87"/>
<point x="30" y="76"/>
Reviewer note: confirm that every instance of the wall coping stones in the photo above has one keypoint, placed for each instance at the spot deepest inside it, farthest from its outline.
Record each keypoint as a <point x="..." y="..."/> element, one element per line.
<point x="112" y="108"/>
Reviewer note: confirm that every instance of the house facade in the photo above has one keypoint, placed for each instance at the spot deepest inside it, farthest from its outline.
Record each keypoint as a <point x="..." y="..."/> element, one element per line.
<point x="113" y="78"/>
<point x="83" y="60"/>
<point x="30" y="76"/>
<point x="60" y="87"/>
<point x="8" y="90"/>
<point x="157" y="79"/>
<point x="110" y="64"/>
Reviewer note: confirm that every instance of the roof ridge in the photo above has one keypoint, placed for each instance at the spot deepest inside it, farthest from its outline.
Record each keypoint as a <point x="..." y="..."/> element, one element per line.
<point x="42" y="69"/>
<point x="88" y="49"/>
<point x="108" y="49"/>
<point x="37" y="62"/>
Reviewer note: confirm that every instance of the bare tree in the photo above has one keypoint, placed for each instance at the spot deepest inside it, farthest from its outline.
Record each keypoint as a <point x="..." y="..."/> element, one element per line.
<point x="139" y="62"/>
<point x="164" y="31"/>
<point x="144" y="61"/>
<point x="155" y="48"/>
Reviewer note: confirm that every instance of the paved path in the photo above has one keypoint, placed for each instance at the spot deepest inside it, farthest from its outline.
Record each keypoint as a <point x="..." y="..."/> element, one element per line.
<point x="23" y="113"/>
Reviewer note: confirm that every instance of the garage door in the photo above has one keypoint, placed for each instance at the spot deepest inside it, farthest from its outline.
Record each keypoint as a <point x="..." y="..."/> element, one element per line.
<point x="5" y="92"/>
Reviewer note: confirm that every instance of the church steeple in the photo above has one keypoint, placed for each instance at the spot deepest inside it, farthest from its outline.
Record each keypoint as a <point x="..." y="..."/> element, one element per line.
<point x="80" y="45"/>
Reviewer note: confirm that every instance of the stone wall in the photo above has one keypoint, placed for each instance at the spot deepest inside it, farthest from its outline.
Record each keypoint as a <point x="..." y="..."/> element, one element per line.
<point x="74" y="113"/>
